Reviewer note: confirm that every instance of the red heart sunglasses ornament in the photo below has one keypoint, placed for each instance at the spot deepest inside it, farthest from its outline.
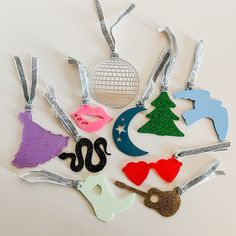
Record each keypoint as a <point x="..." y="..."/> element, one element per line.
<point x="167" y="169"/>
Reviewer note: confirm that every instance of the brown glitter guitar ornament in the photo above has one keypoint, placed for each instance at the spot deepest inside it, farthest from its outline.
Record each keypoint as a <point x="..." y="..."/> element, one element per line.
<point x="167" y="203"/>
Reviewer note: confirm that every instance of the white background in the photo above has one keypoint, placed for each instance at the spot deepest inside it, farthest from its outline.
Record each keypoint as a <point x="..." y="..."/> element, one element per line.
<point x="53" y="30"/>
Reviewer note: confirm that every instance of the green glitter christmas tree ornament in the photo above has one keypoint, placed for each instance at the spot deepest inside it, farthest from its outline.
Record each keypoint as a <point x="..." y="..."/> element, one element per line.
<point x="162" y="118"/>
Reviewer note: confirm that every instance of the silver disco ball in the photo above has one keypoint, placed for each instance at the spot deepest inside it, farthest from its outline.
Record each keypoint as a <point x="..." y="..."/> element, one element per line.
<point x="114" y="82"/>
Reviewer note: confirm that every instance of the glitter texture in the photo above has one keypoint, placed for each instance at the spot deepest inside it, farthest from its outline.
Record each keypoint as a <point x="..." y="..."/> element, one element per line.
<point x="162" y="118"/>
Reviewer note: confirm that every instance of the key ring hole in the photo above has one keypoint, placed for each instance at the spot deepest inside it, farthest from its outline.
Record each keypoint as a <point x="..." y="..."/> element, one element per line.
<point x="154" y="198"/>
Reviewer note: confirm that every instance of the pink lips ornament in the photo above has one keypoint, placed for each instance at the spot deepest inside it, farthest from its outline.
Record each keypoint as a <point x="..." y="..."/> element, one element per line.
<point x="98" y="113"/>
<point x="91" y="126"/>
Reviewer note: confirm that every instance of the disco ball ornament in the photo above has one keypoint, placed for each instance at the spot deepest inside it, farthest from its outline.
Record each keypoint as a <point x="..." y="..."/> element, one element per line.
<point x="114" y="82"/>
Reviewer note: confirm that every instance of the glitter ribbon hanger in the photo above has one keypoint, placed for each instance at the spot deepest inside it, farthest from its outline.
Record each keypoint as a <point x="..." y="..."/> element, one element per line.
<point x="114" y="82"/>
<point x="38" y="145"/>
<point x="104" y="205"/>
<point x="29" y="98"/>
<point x="80" y="141"/>
<point x="162" y="63"/>
<point x="110" y="39"/>
<point x="169" y="202"/>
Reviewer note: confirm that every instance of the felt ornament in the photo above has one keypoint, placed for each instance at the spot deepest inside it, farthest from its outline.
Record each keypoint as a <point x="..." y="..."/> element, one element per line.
<point x="102" y="118"/>
<point x="167" y="203"/>
<point x="77" y="159"/>
<point x="114" y="82"/>
<point x="162" y="119"/>
<point x="120" y="130"/>
<point x="38" y="145"/>
<point x="167" y="169"/>
<point x="204" y="106"/>
<point x="104" y="203"/>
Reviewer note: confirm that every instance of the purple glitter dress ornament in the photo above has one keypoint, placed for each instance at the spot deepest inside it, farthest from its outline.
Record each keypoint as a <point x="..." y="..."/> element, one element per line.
<point x="38" y="145"/>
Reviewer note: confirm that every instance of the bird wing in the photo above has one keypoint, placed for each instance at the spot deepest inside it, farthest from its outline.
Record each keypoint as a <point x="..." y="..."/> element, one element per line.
<point x="220" y="121"/>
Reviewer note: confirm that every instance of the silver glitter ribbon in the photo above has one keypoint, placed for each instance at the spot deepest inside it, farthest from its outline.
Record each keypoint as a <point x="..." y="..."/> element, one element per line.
<point x="202" y="178"/>
<point x="60" y="114"/>
<point x="43" y="176"/>
<point x="84" y="80"/>
<point x="156" y="72"/>
<point x="109" y="35"/>
<point x="196" y="65"/>
<point x="169" y="66"/>
<point x="34" y="77"/>
<point x="222" y="146"/>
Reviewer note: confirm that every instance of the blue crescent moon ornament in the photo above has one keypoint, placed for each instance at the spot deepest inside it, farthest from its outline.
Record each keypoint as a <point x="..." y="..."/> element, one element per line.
<point x="120" y="131"/>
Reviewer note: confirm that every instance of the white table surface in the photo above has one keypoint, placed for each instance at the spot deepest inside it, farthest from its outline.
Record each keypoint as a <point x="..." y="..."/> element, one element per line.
<point x="53" y="30"/>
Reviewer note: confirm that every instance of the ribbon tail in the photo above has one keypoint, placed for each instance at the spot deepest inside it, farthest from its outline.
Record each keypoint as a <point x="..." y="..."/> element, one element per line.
<point x="43" y="176"/>
<point x="205" y="176"/>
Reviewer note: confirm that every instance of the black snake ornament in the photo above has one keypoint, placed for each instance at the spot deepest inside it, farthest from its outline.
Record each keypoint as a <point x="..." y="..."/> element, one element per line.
<point x="101" y="152"/>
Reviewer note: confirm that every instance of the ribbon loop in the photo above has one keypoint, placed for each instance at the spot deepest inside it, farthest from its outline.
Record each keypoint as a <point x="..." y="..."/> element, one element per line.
<point x="196" y="65"/>
<point x="169" y="66"/>
<point x="202" y="178"/>
<point x="156" y="72"/>
<point x="60" y="114"/>
<point x="83" y="78"/>
<point x="110" y="39"/>
<point x="131" y="7"/>
<point x="34" y="77"/>
<point x="44" y="176"/>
